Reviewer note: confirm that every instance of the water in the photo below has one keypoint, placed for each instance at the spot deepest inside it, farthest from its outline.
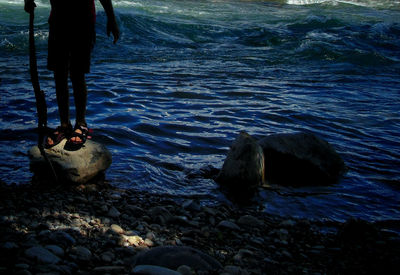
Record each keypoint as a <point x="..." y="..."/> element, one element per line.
<point x="187" y="76"/>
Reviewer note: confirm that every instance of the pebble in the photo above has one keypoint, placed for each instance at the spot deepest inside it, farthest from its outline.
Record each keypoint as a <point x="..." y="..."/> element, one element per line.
<point x="22" y="266"/>
<point x="185" y="270"/>
<point x="117" y="229"/>
<point x="234" y="270"/>
<point x="107" y="256"/>
<point x="70" y="228"/>
<point x="63" y="238"/>
<point x="108" y="269"/>
<point x="191" y="205"/>
<point x="113" y="212"/>
<point x="153" y="270"/>
<point x="56" y="250"/>
<point x="134" y="240"/>
<point x="228" y="225"/>
<point x="41" y="255"/>
<point x="249" y="221"/>
<point x="82" y="253"/>
<point x="9" y="245"/>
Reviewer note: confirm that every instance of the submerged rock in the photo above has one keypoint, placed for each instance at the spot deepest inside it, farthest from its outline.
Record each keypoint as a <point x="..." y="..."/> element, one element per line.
<point x="301" y="159"/>
<point x="243" y="168"/>
<point x="77" y="166"/>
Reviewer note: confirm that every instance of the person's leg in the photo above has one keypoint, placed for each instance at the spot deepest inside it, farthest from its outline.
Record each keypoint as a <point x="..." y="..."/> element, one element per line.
<point x="62" y="94"/>
<point x="61" y="80"/>
<point x="80" y="98"/>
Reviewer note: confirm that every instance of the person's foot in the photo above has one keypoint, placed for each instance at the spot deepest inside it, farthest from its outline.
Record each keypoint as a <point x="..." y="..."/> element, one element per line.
<point x="59" y="134"/>
<point x="77" y="138"/>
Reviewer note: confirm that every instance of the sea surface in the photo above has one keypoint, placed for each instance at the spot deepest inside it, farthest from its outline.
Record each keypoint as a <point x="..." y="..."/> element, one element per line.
<point x="187" y="76"/>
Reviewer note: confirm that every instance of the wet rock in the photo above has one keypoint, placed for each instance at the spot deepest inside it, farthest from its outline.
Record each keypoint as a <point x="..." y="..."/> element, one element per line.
<point x="153" y="270"/>
<point x="243" y="168"/>
<point x="173" y="257"/>
<point x="300" y="159"/>
<point x="77" y="166"/>
<point x="41" y="255"/>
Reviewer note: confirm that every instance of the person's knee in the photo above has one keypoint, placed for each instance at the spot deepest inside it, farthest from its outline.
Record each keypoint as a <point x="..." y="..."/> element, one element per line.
<point x="78" y="78"/>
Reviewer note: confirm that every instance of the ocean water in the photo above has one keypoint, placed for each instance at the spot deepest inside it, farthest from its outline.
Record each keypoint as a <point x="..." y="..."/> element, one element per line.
<point x="187" y="76"/>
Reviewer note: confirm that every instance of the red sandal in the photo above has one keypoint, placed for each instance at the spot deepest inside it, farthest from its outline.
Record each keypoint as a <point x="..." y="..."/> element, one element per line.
<point x="74" y="145"/>
<point x="58" y="135"/>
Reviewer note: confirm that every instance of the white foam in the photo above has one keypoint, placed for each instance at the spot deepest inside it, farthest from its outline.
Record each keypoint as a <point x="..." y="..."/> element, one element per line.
<point x="364" y="3"/>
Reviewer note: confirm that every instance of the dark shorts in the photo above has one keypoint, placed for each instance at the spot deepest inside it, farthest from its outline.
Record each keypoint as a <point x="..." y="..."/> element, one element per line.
<point x="71" y="35"/>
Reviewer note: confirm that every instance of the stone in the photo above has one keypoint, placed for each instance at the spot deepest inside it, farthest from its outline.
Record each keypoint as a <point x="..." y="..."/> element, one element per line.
<point x="41" y="255"/>
<point x="117" y="229"/>
<point x="185" y="270"/>
<point x="153" y="270"/>
<point x="9" y="245"/>
<point x="191" y="205"/>
<point x="173" y="257"/>
<point x="300" y="159"/>
<point x="113" y="212"/>
<point x="228" y="225"/>
<point x="160" y="213"/>
<point x="63" y="238"/>
<point x="249" y="221"/>
<point x="76" y="166"/>
<point x="234" y="270"/>
<point x="56" y="250"/>
<point x="134" y="240"/>
<point x="107" y="256"/>
<point x="243" y="168"/>
<point x="108" y="269"/>
<point x="82" y="253"/>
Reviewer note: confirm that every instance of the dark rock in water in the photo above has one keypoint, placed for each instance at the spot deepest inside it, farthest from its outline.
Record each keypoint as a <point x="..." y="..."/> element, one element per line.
<point x="173" y="257"/>
<point x="243" y="168"/>
<point x="300" y="159"/>
<point x="76" y="166"/>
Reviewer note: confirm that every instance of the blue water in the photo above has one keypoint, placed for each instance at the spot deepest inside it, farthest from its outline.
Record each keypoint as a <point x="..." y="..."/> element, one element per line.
<point x="187" y="76"/>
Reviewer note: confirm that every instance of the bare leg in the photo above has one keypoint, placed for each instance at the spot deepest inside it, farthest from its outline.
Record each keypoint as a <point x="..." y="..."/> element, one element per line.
<point x="80" y="97"/>
<point x="61" y="80"/>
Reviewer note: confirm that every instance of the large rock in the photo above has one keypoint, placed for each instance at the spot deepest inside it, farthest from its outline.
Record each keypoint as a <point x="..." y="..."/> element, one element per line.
<point x="300" y="159"/>
<point x="77" y="166"/>
<point x="243" y="168"/>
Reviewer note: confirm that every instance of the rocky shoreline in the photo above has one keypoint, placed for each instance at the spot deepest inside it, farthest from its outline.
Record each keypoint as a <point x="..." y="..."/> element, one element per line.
<point x="98" y="229"/>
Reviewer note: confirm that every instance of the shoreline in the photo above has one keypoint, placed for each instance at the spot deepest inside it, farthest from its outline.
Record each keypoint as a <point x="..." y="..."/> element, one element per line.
<point x="99" y="229"/>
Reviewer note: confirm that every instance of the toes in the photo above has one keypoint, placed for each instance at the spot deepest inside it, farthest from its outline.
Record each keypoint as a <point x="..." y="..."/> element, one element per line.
<point x="49" y="141"/>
